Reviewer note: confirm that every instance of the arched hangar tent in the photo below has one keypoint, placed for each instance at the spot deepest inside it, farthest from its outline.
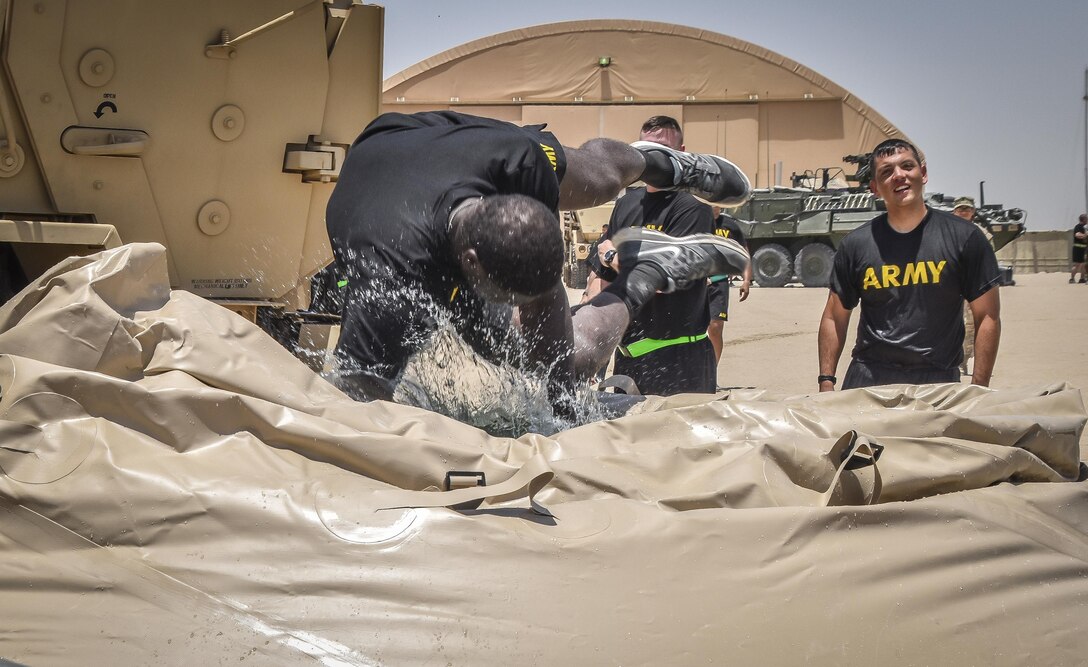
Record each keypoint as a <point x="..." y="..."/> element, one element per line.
<point x="605" y="77"/>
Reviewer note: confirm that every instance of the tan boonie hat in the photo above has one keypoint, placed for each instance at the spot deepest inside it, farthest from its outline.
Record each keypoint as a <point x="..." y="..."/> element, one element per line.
<point x="964" y="201"/>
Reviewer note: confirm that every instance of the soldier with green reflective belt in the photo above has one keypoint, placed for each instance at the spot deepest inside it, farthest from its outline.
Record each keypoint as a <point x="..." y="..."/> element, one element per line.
<point x="665" y="348"/>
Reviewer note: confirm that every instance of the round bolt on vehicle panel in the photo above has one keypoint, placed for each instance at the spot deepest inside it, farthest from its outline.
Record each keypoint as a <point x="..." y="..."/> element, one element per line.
<point x="228" y="122"/>
<point x="213" y="218"/>
<point x="96" y="68"/>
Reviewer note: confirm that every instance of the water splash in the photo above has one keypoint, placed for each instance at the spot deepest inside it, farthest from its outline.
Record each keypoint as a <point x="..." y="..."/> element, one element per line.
<point x="448" y="377"/>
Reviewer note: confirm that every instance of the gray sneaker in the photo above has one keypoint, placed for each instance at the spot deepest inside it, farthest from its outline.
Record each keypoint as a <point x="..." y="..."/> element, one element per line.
<point x="684" y="260"/>
<point x="709" y="177"/>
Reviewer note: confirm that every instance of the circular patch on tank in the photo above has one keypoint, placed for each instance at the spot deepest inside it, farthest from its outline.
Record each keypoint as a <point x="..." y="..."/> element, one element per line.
<point x="44" y="437"/>
<point x="343" y="511"/>
<point x="572" y="521"/>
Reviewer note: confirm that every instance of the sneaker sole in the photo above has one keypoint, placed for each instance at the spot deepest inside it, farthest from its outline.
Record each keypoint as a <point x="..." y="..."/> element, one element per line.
<point x="728" y="201"/>
<point x="736" y="254"/>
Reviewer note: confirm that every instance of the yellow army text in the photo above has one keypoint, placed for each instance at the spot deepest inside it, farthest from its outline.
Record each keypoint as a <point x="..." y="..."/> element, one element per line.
<point x="913" y="273"/>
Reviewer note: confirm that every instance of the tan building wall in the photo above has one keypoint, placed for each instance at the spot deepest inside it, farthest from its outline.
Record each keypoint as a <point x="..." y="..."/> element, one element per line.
<point x="732" y="97"/>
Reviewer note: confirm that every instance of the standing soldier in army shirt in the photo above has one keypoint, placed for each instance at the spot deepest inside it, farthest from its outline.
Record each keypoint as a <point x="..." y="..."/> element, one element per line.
<point x="725" y="226"/>
<point x="665" y="348"/>
<point x="910" y="269"/>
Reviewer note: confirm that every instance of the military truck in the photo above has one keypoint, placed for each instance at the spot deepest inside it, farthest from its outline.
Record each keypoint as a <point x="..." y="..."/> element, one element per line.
<point x="214" y="128"/>
<point x="793" y="231"/>
<point x="581" y="229"/>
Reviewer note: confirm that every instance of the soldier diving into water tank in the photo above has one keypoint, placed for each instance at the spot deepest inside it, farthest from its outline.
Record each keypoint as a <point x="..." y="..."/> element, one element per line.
<point x="445" y="211"/>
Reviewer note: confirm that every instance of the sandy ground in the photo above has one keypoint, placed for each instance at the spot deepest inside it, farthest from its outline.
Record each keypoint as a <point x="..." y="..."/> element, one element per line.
<point x="770" y="339"/>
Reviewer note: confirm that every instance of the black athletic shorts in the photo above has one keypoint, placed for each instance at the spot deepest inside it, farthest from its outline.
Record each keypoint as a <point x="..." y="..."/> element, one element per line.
<point x="1078" y="255"/>
<point x="869" y="374"/>
<point x="687" y="368"/>
<point x="719" y="300"/>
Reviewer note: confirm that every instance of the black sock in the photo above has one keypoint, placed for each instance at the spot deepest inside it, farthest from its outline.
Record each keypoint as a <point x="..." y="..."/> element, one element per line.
<point x="637" y="286"/>
<point x="659" y="171"/>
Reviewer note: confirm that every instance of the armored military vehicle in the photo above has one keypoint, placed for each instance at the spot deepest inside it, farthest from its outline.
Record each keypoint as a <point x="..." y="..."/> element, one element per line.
<point x="793" y="231"/>
<point x="581" y="229"/>
<point x="214" y="128"/>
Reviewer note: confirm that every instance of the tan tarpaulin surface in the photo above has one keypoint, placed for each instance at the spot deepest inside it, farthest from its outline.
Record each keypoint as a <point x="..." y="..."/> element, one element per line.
<point x="177" y="489"/>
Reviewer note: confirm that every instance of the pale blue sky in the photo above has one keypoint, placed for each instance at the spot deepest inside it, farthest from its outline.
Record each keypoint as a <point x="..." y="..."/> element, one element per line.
<point x="989" y="90"/>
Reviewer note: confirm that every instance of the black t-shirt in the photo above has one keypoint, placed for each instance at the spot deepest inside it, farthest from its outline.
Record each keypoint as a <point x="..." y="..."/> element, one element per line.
<point x="682" y="313"/>
<point x="728" y="227"/>
<point x="1079" y="228"/>
<point x="912" y="286"/>
<point x="388" y="220"/>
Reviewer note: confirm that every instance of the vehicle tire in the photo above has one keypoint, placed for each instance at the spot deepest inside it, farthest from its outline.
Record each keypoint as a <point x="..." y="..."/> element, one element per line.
<point x="579" y="275"/>
<point x="813" y="265"/>
<point x="771" y="266"/>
